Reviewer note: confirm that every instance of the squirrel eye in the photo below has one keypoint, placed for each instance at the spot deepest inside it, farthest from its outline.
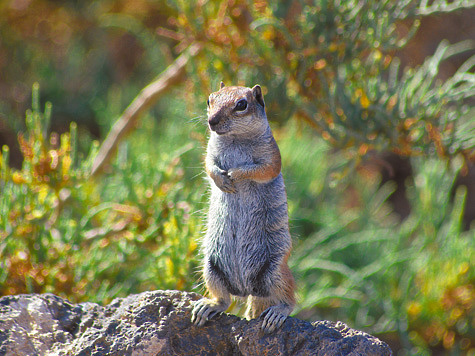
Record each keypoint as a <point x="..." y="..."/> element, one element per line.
<point x="241" y="105"/>
<point x="207" y="102"/>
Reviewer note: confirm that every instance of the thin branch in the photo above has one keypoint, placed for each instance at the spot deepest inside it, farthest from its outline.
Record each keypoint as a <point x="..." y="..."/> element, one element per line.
<point x="146" y="98"/>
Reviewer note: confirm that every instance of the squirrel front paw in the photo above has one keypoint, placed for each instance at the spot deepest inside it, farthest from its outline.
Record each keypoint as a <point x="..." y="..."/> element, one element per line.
<point x="224" y="182"/>
<point x="235" y="174"/>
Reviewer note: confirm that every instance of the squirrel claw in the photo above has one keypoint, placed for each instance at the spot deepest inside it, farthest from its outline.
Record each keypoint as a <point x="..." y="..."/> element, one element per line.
<point x="203" y="311"/>
<point x="231" y="190"/>
<point x="228" y="188"/>
<point x="272" y="319"/>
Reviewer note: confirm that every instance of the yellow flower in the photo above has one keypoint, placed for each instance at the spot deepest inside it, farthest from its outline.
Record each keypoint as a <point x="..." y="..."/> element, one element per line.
<point x="365" y="103"/>
<point x="414" y="309"/>
<point x="42" y="193"/>
<point x="17" y="178"/>
<point x="66" y="165"/>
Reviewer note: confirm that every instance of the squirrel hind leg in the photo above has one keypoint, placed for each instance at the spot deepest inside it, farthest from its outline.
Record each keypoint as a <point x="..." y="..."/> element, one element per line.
<point x="204" y="309"/>
<point x="274" y="309"/>
<point x="272" y="314"/>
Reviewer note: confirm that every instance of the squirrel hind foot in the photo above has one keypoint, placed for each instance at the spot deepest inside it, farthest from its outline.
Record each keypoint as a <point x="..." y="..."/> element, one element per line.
<point x="204" y="309"/>
<point x="274" y="316"/>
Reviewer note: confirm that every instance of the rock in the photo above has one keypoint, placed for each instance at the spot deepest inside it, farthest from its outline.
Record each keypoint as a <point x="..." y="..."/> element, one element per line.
<point x="158" y="323"/>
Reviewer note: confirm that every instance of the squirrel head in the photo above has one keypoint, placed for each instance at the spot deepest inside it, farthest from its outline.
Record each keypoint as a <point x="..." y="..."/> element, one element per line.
<point x="237" y="111"/>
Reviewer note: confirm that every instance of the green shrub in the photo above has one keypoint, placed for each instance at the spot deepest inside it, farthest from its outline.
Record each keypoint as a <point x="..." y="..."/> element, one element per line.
<point x="355" y="262"/>
<point x="332" y="63"/>
<point x="132" y="230"/>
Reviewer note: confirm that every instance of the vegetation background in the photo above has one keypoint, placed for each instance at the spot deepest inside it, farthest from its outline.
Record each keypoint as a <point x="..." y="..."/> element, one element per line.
<point x="102" y="191"/>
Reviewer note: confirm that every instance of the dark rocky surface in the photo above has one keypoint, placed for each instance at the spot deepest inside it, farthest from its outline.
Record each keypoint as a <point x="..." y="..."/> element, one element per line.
<point x="158" y="323"/>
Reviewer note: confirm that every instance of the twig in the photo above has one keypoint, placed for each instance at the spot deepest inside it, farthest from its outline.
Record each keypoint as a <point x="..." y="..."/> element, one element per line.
<point x="146" y="98"/>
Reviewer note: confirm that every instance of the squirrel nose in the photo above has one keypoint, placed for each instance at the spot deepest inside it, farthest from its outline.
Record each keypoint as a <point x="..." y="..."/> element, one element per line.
<point x="214" y="120"/>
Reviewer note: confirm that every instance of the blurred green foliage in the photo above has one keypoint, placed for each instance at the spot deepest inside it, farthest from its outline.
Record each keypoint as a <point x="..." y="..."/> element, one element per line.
<point x="330" y="64"/>
<point x="354" y="259"/>
<point x="84" y="239"/>
<point x="333" y="63"/>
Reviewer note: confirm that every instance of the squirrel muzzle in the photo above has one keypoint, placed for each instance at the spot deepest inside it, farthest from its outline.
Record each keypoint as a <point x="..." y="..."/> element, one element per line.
<point x="214" y="121"/>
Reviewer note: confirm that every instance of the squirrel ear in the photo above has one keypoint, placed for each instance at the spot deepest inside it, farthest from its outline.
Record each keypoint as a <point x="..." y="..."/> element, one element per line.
<point x="221" y="86"/>
<point x="257" y="92"/>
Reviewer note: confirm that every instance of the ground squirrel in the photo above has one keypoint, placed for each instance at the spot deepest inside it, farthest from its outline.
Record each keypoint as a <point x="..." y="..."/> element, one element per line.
<point x="247" y="242"/>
